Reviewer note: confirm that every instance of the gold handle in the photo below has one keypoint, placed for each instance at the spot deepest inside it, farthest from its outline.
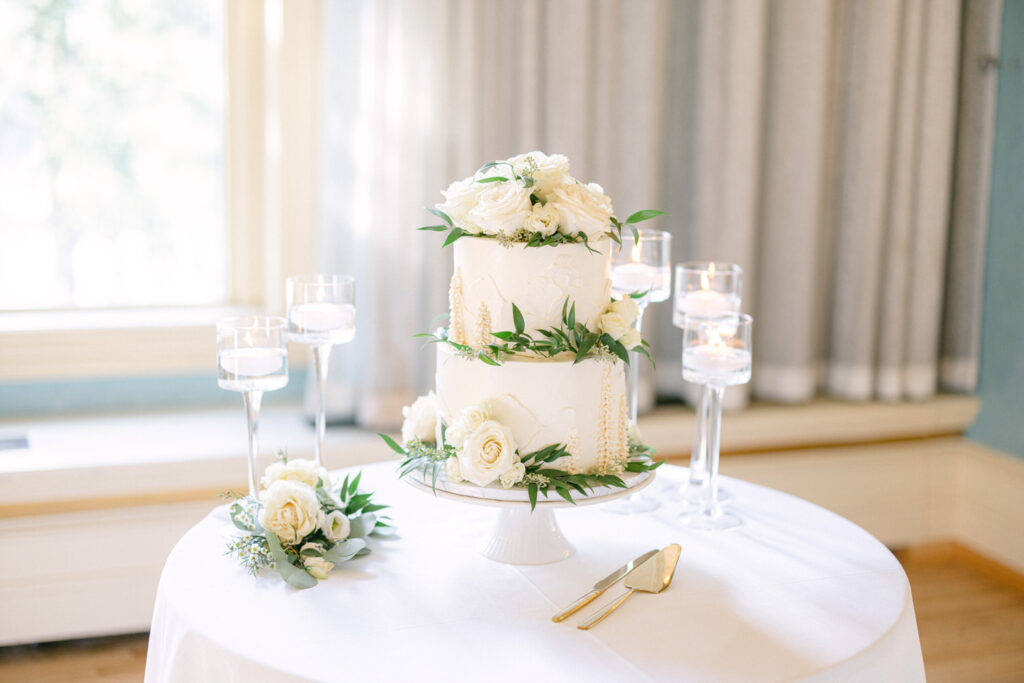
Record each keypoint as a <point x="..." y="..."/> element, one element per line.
<point x="597" y="618"/>
<point x="576" y="606"/>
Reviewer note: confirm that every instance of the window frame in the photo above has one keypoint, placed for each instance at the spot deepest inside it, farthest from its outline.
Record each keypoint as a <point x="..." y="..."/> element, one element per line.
<point x="273" y="61"/>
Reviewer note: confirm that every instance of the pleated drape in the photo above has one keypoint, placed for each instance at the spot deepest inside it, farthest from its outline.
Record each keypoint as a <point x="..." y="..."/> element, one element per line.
<point x="836" y="150"/>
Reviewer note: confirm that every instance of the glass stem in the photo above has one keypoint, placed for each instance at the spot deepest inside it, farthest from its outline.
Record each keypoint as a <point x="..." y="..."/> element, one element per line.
<point x="321" y="356"/>
<point x="634" y="368"/>
<point x="252" y="415"/>
<point x="714" y="409"/>
<point x="699" y="454"/>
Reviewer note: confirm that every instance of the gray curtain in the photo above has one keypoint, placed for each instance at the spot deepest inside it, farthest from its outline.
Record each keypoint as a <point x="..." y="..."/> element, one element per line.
<point x="820" y="145"/>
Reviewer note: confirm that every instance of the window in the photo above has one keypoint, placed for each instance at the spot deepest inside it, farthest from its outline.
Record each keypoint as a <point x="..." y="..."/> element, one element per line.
<point x="143" y="188"/>
<point x="112" y="154"/>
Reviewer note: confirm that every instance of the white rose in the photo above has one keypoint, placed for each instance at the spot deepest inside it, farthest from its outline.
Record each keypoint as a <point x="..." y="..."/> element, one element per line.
<point x="513" y="475"/>
<point x="500" y="208"/>
<point x="487" y="453"/>
<point x="543" y="219"/>
<point x="631" y="338"/>
<point x="317" y="567"/>
<point x="613" y="325"/>
<point x="452" y="471"/>
<point x="548" y="172"/>
<point x="336" y="526"/>
<point x="627" y="308"/>
<point x="468" y="421"/>
<point x="290" y="510"/>
<point x="459" y="198"/>
<point x="301" y="470"/>
<point x="420" y="419"/>
<point x="582" y="208"/>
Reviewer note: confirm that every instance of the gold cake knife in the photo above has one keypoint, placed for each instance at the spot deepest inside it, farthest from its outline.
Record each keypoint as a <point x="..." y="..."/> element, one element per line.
<point x="603" y="585"/>
<point x="653" y="576"/>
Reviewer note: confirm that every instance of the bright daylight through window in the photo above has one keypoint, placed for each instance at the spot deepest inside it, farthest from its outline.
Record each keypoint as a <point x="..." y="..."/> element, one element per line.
<point x="112" y="189"/>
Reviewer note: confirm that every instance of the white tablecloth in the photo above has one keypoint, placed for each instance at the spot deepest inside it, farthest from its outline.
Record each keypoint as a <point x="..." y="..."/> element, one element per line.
<point x="798" y="593"/>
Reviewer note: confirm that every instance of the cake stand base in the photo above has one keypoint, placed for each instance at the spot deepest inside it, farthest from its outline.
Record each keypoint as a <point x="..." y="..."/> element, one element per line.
<point x="519" y="535"/>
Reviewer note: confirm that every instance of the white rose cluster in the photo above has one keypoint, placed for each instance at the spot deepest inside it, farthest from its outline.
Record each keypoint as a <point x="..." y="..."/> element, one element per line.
<point x="420" y="423"/>
<point x="292" y="511"/>
<point x="538" y="195"/>
<point x="617" y="322"/>
<point x="485" y="449"/>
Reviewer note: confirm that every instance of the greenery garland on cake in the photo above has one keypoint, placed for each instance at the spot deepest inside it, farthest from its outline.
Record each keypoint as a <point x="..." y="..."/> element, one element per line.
<point x="614" y="336"/>
<point x="530" y="199"/>
<point x="481" y="450"/>
<point x="301" y="525"/>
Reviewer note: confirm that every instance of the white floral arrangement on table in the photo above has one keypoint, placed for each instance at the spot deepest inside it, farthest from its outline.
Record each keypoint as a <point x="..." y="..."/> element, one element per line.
<point x="532" y="199"/>
<point x="479" y="449"/>
<point x="614" y="336"/>
<point x="301" y="526"/>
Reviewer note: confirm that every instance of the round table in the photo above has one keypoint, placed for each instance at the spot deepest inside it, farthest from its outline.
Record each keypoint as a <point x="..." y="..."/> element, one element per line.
<point x="796" y="593"/>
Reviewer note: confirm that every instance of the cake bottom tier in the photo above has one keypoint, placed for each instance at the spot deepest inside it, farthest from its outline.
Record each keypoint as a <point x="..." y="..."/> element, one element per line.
<point x="544" y="402"/>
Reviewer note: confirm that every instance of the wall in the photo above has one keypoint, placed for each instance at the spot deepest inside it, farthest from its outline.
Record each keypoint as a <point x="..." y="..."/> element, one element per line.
<point x="1000" y="423"/>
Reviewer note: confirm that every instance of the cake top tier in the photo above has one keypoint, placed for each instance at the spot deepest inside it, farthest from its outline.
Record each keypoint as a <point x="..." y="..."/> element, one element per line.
<point x="530" y="199"/>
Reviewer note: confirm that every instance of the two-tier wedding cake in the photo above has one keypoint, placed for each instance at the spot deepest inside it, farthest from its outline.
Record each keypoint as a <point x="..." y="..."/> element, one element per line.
<point x="530" y="385"/>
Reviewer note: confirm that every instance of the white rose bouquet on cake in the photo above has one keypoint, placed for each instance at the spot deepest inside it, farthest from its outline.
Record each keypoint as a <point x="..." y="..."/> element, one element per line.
<point x="477" y="448"/>
<point x="300" y="525"/>
<point x="530" y="198"/>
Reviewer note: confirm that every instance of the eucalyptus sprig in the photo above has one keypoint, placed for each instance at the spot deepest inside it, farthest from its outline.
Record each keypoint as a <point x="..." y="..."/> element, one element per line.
<point x="539" y="479"/>
<point x="571" y="336"/>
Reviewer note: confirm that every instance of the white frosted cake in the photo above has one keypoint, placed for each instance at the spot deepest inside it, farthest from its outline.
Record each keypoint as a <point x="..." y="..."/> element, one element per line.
<point x="530" y="385"/>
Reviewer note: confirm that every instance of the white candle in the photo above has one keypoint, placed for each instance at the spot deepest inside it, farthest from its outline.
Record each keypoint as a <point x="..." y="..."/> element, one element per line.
<point x="322" y="316"/>
<point x="252" y="362"/>
<point x="707" y="303"/>
<point x="715" y="360"/>
<point x="634" y="277"/>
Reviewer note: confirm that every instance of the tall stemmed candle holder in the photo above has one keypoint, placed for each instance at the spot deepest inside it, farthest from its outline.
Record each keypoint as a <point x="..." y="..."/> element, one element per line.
<point x="252" y="357"/>
<point x="703" y="289"/>
<point x="716" y="354"/>
<point x="641" y="265"/>
<point x="321" y="313"/>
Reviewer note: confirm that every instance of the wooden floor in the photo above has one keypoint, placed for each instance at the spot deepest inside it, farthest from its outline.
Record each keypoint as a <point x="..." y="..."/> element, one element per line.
<point x="969" y="614"/>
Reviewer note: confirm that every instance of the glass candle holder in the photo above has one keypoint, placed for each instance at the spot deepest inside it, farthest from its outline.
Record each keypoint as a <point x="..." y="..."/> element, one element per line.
<point x="703" y="289"/>
<point x="252" y="357"/>
<point x="321" y="313"/>
<point x="706" y="289"/>
<point x="717" y="353"/>
<point x="640" y="265"/>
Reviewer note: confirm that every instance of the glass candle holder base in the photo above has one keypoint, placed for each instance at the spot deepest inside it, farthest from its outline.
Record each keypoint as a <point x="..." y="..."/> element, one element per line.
<point x="708" y="521"/>
<point x="690" y="496"/>
<point x="634" y="504"/>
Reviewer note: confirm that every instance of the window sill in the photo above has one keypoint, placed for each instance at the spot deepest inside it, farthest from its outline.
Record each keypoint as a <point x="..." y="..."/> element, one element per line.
<point x="68" y="345"/>
<point x="118" y="461"/>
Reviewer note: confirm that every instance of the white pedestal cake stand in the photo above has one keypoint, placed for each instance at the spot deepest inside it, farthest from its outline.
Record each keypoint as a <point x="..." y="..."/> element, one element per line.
<point x="518" y="535"/>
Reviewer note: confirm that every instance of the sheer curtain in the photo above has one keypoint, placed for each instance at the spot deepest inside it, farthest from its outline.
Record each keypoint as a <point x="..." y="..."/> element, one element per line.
<point x="820" y="145"/>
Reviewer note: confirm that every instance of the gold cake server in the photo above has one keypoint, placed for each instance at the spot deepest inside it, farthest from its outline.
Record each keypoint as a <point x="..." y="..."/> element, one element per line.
<point x="653" y="576"/>
<point x="603" y="585"/>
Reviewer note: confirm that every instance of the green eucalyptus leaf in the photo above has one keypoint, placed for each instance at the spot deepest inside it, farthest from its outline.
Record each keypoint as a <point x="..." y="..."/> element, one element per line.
<point x="434" y="228"/>
<point x="362" y="526"/>
<point x="644" y="215"/>
<point x="345" y="551"/>
<point x="443" y="216"/>
<point x="517" y="319"/>
<point x="293" y="576"/>
<point x="493" y="179"/>
<point x="392" y="445"/>
<point x="455" y="234"/>
<point x="531" y="491"/>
